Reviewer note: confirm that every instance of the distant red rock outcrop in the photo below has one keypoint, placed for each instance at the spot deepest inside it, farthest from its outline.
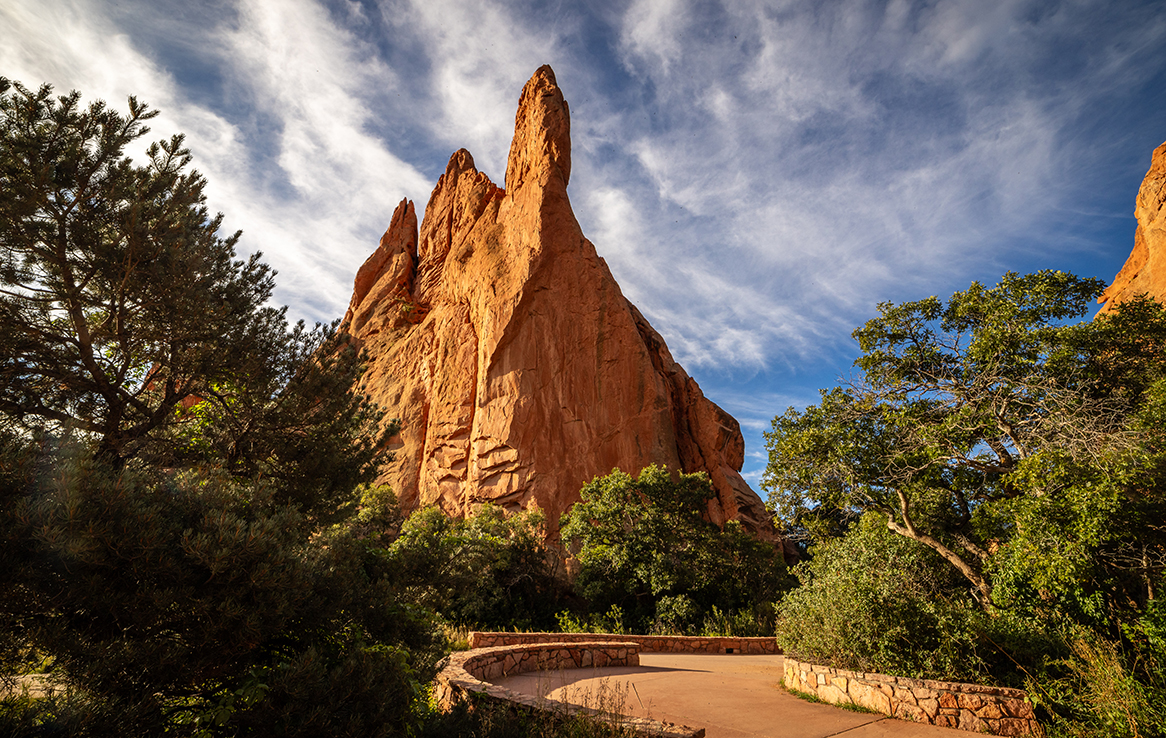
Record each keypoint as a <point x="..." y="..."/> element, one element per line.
<point x="1145" y="271"/>
<point x="518" y="369"/>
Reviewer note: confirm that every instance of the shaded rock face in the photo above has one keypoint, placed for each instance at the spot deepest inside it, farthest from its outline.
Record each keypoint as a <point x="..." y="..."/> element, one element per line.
<point x="1145" y="270"/>
<point x="517" y="368"/>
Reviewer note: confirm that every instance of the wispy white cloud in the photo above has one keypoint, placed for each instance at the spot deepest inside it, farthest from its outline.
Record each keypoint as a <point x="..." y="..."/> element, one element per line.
<point x="801" y="161"/>
<point x="69" y="46"/>
<point x="318" y="211"/>
<point x="309" y="78"/>
<point x="758" y="173"/>
<point x="651" y="31"/>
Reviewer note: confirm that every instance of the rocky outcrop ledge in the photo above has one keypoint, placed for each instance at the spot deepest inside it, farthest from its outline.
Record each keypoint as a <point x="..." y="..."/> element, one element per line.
<point x="466" y="675"/>
<point x="973" y="707"/>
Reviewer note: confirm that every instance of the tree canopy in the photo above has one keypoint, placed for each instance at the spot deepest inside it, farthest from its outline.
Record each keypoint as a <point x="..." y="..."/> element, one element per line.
<point x="644" y="546"/>
<point x="123" y="308"/>
<point x="962" y="409"/>
<point x="1019" y="448"/>
<point x="120" y="299"/>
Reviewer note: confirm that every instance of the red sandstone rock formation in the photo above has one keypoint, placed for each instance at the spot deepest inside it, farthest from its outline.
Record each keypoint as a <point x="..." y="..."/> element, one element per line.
<point x="1145" y="270"/>
<point x="503" y="343"/>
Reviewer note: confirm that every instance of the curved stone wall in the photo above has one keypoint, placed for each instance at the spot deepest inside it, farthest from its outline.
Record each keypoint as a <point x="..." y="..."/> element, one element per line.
<point x="647" y="643"/>
<point x="973" y="707"/>
<point x="466" y="674"/>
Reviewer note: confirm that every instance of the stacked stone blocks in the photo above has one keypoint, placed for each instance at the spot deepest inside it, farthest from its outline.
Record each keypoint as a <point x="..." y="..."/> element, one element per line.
<point x="973" y="707"/>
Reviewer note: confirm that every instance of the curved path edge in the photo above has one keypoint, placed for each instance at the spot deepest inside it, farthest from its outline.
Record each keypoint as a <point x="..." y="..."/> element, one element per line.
<point x="466" y="675"/>
<point x="962" y="706"/>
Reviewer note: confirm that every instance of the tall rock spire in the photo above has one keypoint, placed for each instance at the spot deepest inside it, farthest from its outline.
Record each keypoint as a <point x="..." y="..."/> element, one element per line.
<point x="540" y="153"/>
<point x="518" y="369"/>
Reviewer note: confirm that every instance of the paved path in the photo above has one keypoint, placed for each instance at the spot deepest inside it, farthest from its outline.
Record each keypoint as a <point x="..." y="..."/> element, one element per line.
<point x="733" y="696"/>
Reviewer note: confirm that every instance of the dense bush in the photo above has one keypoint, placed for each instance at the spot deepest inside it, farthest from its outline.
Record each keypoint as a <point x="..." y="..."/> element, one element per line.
<point x="874" y="601"/>
<point x="647" y="553"/>
<point x="182" y="601"/>
<point x="489" y="570"/>
<point x="1114" y="687"/>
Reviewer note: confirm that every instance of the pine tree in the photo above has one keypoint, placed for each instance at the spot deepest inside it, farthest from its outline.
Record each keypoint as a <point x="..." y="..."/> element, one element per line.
<point x="123" y="308"/>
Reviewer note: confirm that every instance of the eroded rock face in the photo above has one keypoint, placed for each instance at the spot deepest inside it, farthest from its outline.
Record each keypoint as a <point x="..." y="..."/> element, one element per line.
<point x="1145" y="270"/>
<point x="503" y="343"/>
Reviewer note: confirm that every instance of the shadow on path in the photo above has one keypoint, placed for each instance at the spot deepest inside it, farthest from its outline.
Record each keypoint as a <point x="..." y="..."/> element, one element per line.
<point x="731" y="696"/>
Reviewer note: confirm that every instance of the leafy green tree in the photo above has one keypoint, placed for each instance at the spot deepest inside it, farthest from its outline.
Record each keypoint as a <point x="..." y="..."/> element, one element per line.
<point x="488" y="570"/>
<point x="967" y="411"/>
<point x="643" y="545"/>
<point x="120" y="299"/>
<point x="1027" y="452"/>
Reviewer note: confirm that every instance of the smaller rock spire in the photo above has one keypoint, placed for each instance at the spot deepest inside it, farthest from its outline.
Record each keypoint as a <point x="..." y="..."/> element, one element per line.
<point x="396" y="253"/>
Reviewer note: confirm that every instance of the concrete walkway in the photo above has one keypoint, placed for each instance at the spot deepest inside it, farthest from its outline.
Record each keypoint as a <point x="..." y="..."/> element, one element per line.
<point x="730" y="696"/>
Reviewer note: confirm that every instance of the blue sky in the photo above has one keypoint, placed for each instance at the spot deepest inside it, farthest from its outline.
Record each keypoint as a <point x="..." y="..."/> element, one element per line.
<point x="758" y="175"/>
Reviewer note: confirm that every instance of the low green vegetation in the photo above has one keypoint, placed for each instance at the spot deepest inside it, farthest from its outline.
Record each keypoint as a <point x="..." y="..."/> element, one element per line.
<point x="810" y="697"/>
<point x="488" y="571"/>
<point x="984" y="501"/>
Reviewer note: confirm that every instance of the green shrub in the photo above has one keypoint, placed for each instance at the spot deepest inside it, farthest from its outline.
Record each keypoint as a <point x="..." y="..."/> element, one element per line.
<point x="744" y="623"/>
<point x="610" y="622"/>
<point x="184" y="601"/>
<point x="1112" y="687"/>
<point x="874" y="601"/>
<point x="489" y="570"/>
<point x="644" y="544"/>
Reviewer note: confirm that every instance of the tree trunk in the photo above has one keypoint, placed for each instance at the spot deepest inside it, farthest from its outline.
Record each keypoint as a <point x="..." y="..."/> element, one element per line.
<point x="978" y="581"/>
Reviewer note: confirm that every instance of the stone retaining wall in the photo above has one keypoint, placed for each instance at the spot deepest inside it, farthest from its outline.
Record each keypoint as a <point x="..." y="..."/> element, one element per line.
<point x="467" y="674"/>
<point x="974" y="707"/>
<point x="647" y="643"/>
